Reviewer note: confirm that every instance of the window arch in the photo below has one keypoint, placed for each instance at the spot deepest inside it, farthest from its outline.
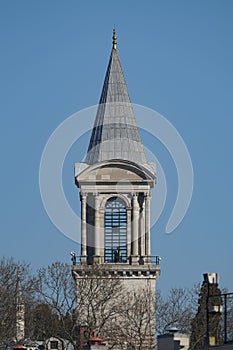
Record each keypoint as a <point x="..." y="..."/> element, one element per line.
<point x="115" y="235"/>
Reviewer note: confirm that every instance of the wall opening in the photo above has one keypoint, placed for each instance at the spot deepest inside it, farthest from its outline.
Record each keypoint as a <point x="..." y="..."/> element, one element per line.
<point x="115" y="231"/>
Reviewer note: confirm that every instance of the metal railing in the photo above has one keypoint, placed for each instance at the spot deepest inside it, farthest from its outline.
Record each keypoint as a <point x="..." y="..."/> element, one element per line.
<point x="145" y="259"/>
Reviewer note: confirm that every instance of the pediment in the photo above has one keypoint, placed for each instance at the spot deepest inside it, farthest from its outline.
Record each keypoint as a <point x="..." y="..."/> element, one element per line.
<point x="114" y="171"/>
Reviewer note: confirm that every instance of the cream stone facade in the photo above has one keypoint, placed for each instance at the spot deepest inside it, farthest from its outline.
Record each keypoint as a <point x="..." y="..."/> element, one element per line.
<point x="124" y="180"/>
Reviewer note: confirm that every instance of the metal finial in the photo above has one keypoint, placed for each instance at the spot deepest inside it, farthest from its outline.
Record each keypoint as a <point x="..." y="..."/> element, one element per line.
<point x="114" y="39"/>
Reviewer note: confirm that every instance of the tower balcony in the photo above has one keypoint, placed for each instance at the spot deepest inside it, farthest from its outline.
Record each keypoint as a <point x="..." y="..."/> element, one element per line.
<point x="140" y="260"/>
<point x="147" y="266"/>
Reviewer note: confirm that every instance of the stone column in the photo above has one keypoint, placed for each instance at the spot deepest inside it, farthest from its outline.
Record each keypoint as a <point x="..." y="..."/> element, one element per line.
<point x="97" y="228"/>
<point x="135" y="229"/>
<point x="142" y="229"/>
<point x="128" y="232"/>
<point x="101" y="234"/>
<point x="147" y="223"/>
<point x="83" y="228"/>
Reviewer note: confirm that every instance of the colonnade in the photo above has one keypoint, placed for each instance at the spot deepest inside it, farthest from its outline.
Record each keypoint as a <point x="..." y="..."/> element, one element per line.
<point x="138" y="226"/>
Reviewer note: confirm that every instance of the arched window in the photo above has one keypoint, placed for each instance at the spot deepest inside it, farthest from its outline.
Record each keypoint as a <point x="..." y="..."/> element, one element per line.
<point x="115" y="223"/>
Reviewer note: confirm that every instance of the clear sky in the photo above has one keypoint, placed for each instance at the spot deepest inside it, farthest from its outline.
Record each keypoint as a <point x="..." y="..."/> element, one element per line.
<point x="177" y="59"/>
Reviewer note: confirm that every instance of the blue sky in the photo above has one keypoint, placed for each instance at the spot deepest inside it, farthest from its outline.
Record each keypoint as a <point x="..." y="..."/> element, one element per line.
<point x="177" y="59"/>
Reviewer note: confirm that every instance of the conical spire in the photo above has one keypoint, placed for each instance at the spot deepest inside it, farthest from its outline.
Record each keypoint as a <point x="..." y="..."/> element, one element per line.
<point x="115" y="134"/>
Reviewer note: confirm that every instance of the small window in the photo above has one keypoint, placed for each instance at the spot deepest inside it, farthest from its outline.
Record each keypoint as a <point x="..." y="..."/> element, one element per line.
<point x="53" y="344"/>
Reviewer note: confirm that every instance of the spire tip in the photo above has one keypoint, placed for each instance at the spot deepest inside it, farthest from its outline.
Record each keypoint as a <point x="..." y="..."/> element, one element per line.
<point x="114" y="38"/>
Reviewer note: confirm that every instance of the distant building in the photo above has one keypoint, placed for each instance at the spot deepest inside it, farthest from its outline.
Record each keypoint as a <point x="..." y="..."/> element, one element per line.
<point x="173" y="340"/>
<point x="56" y="343"/>
<point x="95" y="343"/>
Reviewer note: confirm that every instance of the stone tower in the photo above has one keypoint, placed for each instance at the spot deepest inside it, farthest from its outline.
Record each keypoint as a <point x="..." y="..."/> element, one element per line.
<point x="115" y="183"/>
<point x="20" y="310"/>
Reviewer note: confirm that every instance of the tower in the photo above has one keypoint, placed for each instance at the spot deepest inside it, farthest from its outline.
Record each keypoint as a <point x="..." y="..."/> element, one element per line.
<point x="20" y="309"/>
<point x="207" y="323"/>
<point x="115" y="183"/>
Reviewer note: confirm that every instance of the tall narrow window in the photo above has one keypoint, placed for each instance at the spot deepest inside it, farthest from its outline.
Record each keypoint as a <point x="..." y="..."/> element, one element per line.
<point x="115" y="223"/>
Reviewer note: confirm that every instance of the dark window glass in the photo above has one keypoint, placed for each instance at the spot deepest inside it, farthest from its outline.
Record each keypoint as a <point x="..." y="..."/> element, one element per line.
<point x="115" y="223"/>
<point x="54" y="344"/>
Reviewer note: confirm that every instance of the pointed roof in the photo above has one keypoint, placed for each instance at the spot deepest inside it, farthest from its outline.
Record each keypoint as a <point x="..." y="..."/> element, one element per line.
<point x="115" y="134"/>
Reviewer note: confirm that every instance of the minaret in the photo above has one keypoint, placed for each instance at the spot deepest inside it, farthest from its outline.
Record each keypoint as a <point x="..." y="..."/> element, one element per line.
<point x="20" y="309"/>
<point x="115" y="183"/>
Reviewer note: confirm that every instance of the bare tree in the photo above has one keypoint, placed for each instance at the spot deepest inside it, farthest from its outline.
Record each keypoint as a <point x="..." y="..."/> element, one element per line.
<point x="44" y="322"/>
<point x="176" y="309"/>
<point x="99" y="295"/>
<point x="125" y="319"/>
<point x="134" y="328"/>
<point x="8" y="285"/>
<point x="83" y="307"/>
<point x="56" y="289"/>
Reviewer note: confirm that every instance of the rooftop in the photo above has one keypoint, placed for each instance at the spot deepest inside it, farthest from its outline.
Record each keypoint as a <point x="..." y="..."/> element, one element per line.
<point x="115" y="133"/>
